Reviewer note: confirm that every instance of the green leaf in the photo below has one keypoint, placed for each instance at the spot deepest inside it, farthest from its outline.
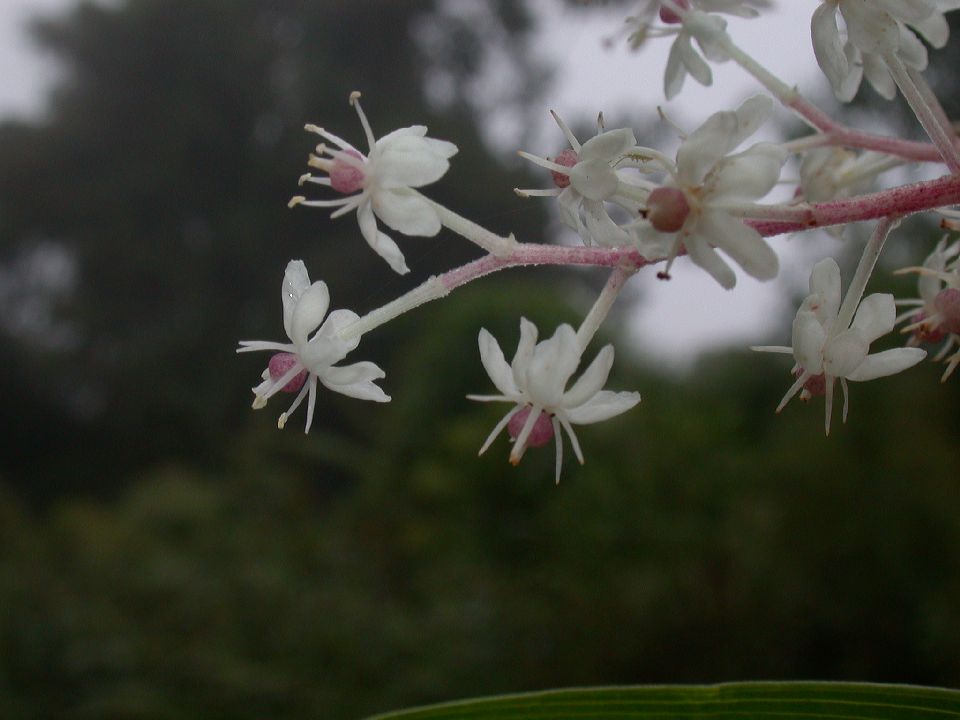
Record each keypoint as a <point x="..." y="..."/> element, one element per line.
<point x="752" y="700"/>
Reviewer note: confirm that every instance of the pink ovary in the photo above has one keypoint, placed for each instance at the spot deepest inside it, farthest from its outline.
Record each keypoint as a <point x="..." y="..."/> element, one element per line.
<point x="670" y="16"/>
<point x="542" y="432"/>
<point x="345" y="177"/>
<point x="947" y="303"/>
<point x="567" y="158"/>
<point x="279" y="365"/>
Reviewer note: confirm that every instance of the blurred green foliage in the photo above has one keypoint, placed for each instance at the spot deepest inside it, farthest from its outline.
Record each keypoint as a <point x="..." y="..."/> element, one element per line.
<point x="166" y="553"/>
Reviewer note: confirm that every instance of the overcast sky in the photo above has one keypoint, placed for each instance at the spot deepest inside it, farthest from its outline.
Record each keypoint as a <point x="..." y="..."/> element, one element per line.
<point x="679" y="317"/>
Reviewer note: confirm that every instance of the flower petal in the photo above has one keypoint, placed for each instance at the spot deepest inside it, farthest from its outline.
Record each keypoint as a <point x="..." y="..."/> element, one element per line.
<point x="495" y="364"/>
<point x="554" y="361"/>
<point x="875" y="317"/>
<point x="295" y="282"/>
<point x="592" y="380"/>
<point x="699" y="250"/>
<point x="741" y="242"/>
<point x="356" y="381"/>
<point x="326" y="347"/>
<point x="825" y="283"/>
<point x="410" y="161"/>
<point x="525" y="348"/>
<point x="808" y="339"/>
<point x="843" y="353"/>
<point x="594" y="179"/>
<point x="308" y="312"/>
<point x="748" y="175"/>
<point x="608" y="146"/>
<point x="827" y="46"/>
<point x="886" y="363"/>
<point x="406" y="211"/>
<point x="381" y="243"/>
<point x="602" y="406"/>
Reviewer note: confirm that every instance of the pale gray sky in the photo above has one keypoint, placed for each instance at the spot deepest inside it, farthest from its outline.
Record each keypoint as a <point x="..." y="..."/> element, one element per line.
<point x="680" y="317"/>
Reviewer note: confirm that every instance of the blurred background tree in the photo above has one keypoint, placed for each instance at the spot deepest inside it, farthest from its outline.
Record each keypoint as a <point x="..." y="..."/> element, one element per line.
<point x="166" y="553"/>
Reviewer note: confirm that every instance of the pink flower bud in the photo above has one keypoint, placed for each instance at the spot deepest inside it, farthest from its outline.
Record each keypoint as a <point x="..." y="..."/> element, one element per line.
<point x="542" y="432"/>
<point x="345" y="177"/>
<point x="670" y="16"/>
<point x="667" y="209"/>
<point x="947" y="303"/>
<point x="568" y="158"/>
<point x="279" y="365"/>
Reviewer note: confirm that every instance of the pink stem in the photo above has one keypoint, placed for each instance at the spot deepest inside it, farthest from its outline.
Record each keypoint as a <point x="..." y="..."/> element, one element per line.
<point x="533" y="254"/>
<point x="842" y="135"/>
<point x="903" y="200"/>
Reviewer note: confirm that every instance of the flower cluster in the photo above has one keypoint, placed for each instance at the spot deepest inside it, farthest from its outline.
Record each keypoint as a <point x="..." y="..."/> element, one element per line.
<point x="634" y="206"/>
<point x="877" y="31"/>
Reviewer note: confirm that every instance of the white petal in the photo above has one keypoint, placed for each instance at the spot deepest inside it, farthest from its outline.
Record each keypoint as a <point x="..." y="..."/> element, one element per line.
<point x="843" y="353"/>
<point x="751" y="114"/>
<point x="309" y="311"/>
<point x="934" y="29"/>
<point x="910" y="11"/>
<point x="381" y="243"/>
<point x="825" y="283"/>
<point x="849" y="85"/>
<point x="602" y="406"/>
<point x="886" y="363"/>
<point x="912" y="51"/>
<point x="326" y="347"/>
<point x="699" y="250"/>
<point x="410" y="161"/>
<point x="553" y="362"/>
<point x="356" y="381"/>
<point x="594" y="179"/>
<point x="675" y="72"/>
<point x="406" y="211"/>
<point x="870" y="29"/>
<point x="808" y="339"/>
<point x="525" y="348"/>
<point x="748" y="175"/>
<point x="603" y="230"/>
<point x="592" y="380"/>
<point x="741" y="242"/>
<point x="826" y="44"/>
<point x="704" y="147"/>
<point x="696" y="65"/>
<point x="608" y="146"/>
<point x="495" y="364"/>
<point x="295" y="281"/>
<point x="875" y="317"/>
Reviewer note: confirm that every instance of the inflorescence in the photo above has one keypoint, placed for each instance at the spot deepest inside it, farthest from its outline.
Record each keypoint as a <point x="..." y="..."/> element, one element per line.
<point x="633" y="206"/>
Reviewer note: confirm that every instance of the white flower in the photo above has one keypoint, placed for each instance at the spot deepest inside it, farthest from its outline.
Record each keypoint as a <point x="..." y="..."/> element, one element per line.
<point x="935" y="315"/>
<point x="299" y="364"/>
<point x="874" y="29"/>
<point x="535" y="382"/>
<point x="586" y="177"/>
<point x="693" y="208"/>
<point x="382" y="182"/>
<point x="687" y="20"/>
<point x="826" y="350"/>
